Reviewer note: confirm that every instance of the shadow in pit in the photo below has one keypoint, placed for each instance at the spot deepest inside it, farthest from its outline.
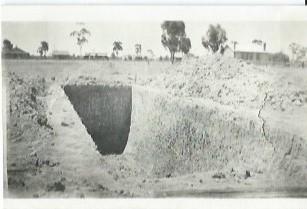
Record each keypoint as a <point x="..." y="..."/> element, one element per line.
<point x="106" y="113"/>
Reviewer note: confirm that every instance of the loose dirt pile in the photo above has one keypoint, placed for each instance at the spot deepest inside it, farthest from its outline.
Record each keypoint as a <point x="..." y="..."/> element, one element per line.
<point x="222" y="79"/>
<point x="233" y="82"/>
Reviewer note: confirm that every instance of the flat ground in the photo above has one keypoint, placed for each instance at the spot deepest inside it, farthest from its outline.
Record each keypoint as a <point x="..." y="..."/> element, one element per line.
<point x="50" y="153"/>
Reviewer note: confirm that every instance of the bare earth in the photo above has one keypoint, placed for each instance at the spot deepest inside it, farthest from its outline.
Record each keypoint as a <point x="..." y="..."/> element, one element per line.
<point x="208" y="127"/>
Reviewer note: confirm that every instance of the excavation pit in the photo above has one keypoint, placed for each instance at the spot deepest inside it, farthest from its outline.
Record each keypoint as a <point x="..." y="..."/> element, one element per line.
<point x="105" y="111"/>
<point x="177" y="136"/>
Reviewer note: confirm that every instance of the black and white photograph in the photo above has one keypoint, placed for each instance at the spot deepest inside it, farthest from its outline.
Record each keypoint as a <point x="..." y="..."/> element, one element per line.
<point x="159" y="107"/>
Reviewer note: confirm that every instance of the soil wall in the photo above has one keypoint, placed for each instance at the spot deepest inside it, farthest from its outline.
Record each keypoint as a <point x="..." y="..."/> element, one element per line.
<point x="106" y="113"/>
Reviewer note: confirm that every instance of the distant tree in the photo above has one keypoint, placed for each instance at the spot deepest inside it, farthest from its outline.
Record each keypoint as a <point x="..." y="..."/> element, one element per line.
<point x="7" y="44"/>
<point x="138" y="49"/>
<point x="214" y="39"/>
<point x="43" y="48"/>
<point x="81" y="37"/>
<point x="298" y="52"/>
<point x="40" y="51"/>
<point x="302" y="53"/>
<point x="117" y="46"/>
<point x="174" y="37"/>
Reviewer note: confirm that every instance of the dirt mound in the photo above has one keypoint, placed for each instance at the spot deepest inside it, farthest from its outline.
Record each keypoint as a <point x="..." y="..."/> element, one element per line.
<point x="224" y="80"/>
<point x="233" y="82"/>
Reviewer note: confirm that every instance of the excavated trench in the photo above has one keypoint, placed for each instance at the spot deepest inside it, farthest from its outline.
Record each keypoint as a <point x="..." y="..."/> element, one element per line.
<point x="175" y="136"/>
<point x="105" y="112"/>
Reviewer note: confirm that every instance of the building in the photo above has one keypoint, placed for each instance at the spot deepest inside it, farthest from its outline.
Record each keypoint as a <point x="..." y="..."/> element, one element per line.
<point x="255" y="57"/>
<point x="15" y="53"/>
<point x="102" y="56"/>
<point x="96" y="56"/>
<point x="254" y="53"/>
<point x="57" y="54"/>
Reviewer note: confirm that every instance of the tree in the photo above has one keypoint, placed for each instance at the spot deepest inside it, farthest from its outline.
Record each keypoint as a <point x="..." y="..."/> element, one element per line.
<point x="138" y="49"/>
<point x="7" y="45"/>
<point x="302" y="53"/>
<point x="215" y="38"/>
<point x="117" y="46"/>
<point x="81" y="37"/>
<point x="298" y="52"/>
<point x="43" y="48"/>
<point x="174" y="37"/>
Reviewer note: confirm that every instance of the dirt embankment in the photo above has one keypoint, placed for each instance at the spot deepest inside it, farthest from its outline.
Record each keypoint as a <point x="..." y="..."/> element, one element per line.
<point x="173" y="136"/>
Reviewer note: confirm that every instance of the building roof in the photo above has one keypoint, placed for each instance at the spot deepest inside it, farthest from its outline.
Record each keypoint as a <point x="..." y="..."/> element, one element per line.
<point x="255" y="52"/>
<point x="251" y="48"/>
<point x="15" y="50"/>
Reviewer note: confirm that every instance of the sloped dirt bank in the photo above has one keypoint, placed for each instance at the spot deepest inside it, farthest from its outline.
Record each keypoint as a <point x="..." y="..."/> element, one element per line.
<point x="172" y="137"/>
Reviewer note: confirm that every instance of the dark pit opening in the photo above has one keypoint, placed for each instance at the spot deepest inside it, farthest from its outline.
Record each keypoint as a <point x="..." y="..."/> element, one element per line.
<point x="106" y="113"/>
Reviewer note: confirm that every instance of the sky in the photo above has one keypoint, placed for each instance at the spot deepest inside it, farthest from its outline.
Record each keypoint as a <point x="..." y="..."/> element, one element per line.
<point x="28" y="35"/>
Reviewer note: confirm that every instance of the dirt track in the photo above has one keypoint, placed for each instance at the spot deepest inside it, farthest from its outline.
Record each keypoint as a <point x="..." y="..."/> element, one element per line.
<point x="213" y="124"/>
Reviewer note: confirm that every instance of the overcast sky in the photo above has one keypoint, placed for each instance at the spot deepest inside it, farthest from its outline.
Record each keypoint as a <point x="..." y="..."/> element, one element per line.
<point x="27" y="35"/>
